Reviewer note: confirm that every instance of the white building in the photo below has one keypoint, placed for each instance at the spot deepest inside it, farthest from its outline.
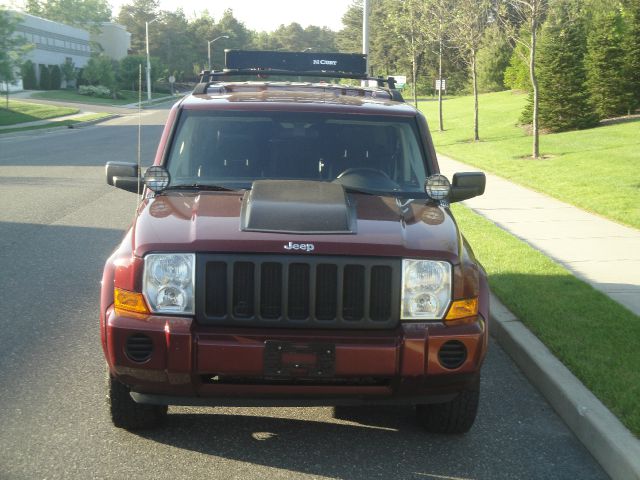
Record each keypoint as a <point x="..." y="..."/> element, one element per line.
<point x="56" y="43"/>
<point x="114" y="40"/>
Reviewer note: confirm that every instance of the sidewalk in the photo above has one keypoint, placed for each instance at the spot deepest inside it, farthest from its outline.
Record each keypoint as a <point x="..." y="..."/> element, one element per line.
<point x="601" y="252"/>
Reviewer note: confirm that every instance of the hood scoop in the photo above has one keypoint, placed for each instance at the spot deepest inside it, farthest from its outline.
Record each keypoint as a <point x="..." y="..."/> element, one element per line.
<point x="297" y="206"/>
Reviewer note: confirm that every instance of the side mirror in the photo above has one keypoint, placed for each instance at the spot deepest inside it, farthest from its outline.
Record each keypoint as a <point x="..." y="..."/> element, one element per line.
<point x="467" y="185"/>
<point x="123" y="175"/>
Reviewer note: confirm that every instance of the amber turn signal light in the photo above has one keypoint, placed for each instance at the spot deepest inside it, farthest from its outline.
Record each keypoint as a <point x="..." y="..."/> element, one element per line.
<point x="129" y="301"/>
<point x="467" y="307"/>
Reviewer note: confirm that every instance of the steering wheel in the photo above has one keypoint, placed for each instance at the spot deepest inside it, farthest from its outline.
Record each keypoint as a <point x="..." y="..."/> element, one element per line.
<point x="364" y="172"/>
<point x="365" y="177"/>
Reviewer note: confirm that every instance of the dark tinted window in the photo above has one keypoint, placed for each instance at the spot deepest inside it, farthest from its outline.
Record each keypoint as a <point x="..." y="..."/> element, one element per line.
<point x="235" y="148"/>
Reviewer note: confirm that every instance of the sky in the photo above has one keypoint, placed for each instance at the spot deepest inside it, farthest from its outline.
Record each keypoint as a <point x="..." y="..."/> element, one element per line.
<point x="263" y="15"/>
<point x="260" y="15"/>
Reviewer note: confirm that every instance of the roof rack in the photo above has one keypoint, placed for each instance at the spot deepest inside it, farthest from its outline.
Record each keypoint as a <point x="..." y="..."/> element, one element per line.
<point x="300" y="64"/>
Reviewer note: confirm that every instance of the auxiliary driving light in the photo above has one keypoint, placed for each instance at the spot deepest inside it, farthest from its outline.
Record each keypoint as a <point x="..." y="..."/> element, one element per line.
<point x="437" y="187"/>
<point x="156" y="178"/>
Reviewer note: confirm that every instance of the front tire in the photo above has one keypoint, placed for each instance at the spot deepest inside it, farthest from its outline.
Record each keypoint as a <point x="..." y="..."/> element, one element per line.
<point x="126" y="413"/>
<point x="454" y="416"/>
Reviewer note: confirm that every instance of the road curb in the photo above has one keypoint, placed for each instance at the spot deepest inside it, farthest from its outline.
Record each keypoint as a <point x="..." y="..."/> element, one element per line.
<point x="610" y="442"/>
<point x="94" y="122"/>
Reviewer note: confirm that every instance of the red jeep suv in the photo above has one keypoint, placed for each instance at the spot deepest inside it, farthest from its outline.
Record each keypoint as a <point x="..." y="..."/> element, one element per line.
<point x="294" y="246"/>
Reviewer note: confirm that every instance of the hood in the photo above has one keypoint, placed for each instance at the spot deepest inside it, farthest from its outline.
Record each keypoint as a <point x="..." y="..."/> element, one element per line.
<point x="212" y="222"/>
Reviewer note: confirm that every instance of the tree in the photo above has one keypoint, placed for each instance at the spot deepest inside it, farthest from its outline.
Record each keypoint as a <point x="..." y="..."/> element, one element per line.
<point x="56" y="77"/>
<point x="386" y="54"/>
<point x="470" y="20"/>
<point x="517" y="75"/>
<point x="129" y="71"/>
<point x="604" y="61"/>
<point x="564" y="101"/>
<point x="133" y="16"/>
<point x="438" y="18"/>
<point x="28" y="74"/>
<point x="529" y="13"/>
<point x="83" y="13"/>
<point x="12" y="50"/>
<point x="101" y="71"/>
<point x="631" y="46"/>
<point x="174" y="44"/>
<point x="493" y="59"/>
<point x="69" y="73"/>
<point x="410" y="25"/>
<point x="45" y="77"/>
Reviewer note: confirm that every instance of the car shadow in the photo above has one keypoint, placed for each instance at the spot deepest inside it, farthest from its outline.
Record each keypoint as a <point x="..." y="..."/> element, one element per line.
<point x="377" y="442"/>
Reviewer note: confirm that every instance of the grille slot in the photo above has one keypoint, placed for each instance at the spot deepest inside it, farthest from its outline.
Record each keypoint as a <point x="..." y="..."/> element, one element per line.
<point x="300" y="291"/>
<point x="380" y="301"/>
<point x="452" y="354"/>
<point x="271" y="290"/>
<point x="326" y="291"/>
<point x="139" y="347"/>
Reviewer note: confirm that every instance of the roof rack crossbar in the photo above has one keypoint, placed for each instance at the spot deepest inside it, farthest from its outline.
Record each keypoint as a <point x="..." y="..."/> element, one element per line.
<point x="207" y="76"/>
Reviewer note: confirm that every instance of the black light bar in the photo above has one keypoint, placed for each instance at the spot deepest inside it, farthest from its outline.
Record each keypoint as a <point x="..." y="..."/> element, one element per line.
<point x="352" y="64"/>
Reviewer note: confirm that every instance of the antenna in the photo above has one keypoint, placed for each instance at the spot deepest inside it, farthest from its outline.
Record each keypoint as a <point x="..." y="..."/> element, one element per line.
<point x="139" y="130"/>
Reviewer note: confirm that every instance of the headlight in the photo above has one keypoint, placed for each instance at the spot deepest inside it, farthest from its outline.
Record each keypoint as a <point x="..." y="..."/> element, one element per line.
<point x="426" y="289"/>
<point x="168" y="282"/>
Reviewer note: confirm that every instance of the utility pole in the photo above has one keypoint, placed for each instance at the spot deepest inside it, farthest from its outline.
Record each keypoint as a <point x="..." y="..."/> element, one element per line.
<point x="365" y="31"/>
<point x="146" y="26"/>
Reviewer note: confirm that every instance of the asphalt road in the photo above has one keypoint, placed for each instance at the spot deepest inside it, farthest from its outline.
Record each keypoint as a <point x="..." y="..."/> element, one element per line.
<point x="58" y="223"/>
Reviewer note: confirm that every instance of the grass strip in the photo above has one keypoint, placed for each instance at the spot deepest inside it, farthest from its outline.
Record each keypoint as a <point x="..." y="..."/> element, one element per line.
<point x="73" y="96"/>
<point x="594" y="336"/>
<point x="22" y="112"/>
<point x="594" y="169"/>
<point x="62" y="123"/>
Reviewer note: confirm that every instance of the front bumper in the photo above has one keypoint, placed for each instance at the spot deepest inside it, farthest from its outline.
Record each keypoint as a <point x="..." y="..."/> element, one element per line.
<point x="190" y="364"/>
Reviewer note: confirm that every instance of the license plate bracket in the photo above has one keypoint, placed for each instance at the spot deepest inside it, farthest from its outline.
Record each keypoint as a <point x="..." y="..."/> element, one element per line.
<point x="277" y="355"/>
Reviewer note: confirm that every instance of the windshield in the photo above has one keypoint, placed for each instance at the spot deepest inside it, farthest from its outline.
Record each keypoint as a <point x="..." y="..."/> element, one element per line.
<point x="232" y="149"/>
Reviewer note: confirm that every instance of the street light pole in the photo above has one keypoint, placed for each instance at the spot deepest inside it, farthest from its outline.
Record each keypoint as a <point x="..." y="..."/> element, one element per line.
<point x="365" y="32"/>
<point x="146" y="27"/>
<point x="209" y="49"/>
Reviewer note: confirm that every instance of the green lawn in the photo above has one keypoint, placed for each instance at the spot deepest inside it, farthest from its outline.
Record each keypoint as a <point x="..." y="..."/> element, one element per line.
<point x="591" y="334"/>
<point x="72" y="96"/>
<point x="60" y="123"/>
<point x="597" y="169"/>
<point x="21" y="112"/>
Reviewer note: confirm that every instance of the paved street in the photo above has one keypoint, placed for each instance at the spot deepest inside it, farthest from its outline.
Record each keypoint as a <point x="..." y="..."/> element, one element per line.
<point x="58" y="223"/>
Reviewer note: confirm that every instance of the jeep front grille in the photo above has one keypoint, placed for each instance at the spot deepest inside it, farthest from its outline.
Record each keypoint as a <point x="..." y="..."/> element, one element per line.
<point x="298" y="291"/>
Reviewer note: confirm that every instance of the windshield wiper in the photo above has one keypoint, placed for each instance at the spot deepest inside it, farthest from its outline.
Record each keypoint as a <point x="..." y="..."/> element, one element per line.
<point x="392" y="193"/>
<point x="200" y="186"/>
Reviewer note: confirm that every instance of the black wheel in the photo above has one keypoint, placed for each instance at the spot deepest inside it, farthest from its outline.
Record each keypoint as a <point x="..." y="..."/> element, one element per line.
<point x="127" y="414"/>
<point x="454" y="416"/>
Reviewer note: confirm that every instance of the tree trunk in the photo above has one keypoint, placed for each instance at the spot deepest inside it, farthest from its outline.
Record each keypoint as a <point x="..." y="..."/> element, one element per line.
<point x="414" y="74"/>
<point x="476" y="136"/>
<point x="534" y="84"/>
<point x="440" y="90"/>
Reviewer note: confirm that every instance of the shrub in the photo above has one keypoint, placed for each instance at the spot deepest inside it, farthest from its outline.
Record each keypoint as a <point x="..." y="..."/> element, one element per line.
<point x="56" y="78"/>
<point x="95" y="91"/>
<point x="45" y="78"/>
